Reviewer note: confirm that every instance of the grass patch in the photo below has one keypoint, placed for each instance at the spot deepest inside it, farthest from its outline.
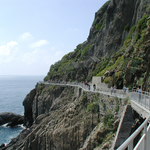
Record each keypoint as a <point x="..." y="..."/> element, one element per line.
<point x="93" y="107"/>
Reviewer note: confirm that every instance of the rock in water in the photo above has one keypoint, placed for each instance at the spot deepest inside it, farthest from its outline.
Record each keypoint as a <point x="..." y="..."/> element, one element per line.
<point x="11" y="118"/>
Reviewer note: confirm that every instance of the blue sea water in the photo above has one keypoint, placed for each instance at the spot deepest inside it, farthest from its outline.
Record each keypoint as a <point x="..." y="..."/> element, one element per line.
<point x="13" y="90"/>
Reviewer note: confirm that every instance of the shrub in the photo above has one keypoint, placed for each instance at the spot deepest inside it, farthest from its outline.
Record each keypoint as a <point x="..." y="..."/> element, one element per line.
<point x="84" y="52"/>
<point x="148" y="22"/>
<point x="84" y="98"/>
<point x="117" y="109"/>
<point x="108" y="120"/>
<point x="129" y="37"/>
<point x="53" y="87"/>
<point x="39" y="88"/>
<point x="104" y="105"/>
<point x="127" y="27"/>
<point x="137" y="61"/>
<point x="142" y="23"/>
<point x="108" y="79"/>
<point x="99" y="26"/>
<point x="93" y="107"/>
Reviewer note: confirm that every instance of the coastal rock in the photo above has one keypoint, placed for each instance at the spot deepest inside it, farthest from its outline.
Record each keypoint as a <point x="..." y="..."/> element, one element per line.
<point x="11" y="118"/>
<point x="2" y="145"/>
<point x="28" y="118"/>
<point x="71" y="119"/>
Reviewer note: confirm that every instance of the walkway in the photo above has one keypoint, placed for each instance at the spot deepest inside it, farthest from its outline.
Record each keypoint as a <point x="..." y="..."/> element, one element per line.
<point x="139" y="102"/>
<point x="119" y="93"/>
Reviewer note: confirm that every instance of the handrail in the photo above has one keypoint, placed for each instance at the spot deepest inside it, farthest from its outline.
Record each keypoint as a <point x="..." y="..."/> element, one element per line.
<point x="87" y="88"/>
<point x="141" y="98"/>
<point x="132" y="137"/>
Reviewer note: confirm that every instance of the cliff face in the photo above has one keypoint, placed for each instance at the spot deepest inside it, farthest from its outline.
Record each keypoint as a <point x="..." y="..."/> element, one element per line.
<point x="105" y="43"/>
<point x="68" y="118"/>
<point x="36" y="104"/>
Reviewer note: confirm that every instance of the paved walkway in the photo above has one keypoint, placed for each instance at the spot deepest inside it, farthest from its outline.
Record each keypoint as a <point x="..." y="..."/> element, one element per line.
<point x="119" y="94"/>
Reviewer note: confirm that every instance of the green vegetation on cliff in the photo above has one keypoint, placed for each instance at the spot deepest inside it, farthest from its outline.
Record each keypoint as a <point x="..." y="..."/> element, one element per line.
<point x="115" y="49"/>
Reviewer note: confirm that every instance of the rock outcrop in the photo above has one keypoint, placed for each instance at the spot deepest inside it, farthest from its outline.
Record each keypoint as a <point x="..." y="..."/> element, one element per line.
<point x="11" y="118"/>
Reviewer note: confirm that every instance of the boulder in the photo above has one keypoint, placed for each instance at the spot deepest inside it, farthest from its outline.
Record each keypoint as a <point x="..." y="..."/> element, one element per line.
<point x="2" y="145"/>
<point x="11" y="118"/>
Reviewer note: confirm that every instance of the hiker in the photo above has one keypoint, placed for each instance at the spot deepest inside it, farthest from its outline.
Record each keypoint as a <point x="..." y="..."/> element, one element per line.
<point x="139" y="92"/>
<point x="127" y="90"/>
<point x="111" y="89"/>
<point x="115" y="88"/>
<point x="94" y="87"/>
<point x="134" y="88"/>
<point x="124" y="89"/>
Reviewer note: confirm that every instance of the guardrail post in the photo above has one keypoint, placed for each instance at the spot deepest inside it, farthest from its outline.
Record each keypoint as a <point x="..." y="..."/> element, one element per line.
<point x="130" y="146"/>
<point x="145" y="100"/>
<point x="149" y="102"/>
<point x="145" y="132"/>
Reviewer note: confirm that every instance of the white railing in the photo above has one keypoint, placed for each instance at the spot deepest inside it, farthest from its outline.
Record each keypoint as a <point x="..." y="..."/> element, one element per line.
<point x="143" y="99"/>
<point x="82" y="85"/>
<point x="89" y="87"/>
<point x="144" y="143"/>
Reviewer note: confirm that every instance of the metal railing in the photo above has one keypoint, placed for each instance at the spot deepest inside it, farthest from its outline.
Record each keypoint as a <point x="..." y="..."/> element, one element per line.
<point x="89" y="87"/>
<point x="82" y="85"/>
<point x="143" y="143"/>
<point x="142" y="98"/>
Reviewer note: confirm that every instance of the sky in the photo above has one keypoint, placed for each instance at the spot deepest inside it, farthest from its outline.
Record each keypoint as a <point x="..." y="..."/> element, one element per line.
<point x="37" y="33"/>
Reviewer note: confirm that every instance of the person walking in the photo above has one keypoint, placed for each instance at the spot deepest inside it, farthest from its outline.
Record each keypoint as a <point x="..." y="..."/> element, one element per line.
<point x="134" y="89"/>
<point x="111" y="89"/>
<point x="115" y="88"/>
<point x="94" y="87"/>
<point x="124" y="89"/>
<point x="139" y="92"/>
<point x="127" y="90"/>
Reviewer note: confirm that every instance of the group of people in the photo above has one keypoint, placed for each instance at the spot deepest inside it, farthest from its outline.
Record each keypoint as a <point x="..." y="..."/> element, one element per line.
<point x="134" y="89"/>
<point x="88" y="85"/>
<point x="113" y="89"/>
<point x="125" y="89"/>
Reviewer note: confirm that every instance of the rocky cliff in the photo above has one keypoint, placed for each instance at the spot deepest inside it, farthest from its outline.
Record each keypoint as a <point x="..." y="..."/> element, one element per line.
<point x="114" y="41"/>
<point x="67" y="118"/>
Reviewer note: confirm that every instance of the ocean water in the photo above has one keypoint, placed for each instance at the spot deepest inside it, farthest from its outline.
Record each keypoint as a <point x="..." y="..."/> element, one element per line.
<point x="13" y="90"/>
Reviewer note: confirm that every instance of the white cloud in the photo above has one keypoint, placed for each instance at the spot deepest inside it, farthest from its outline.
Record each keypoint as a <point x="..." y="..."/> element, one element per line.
<point x="19" y="60"/>
<point x="36" y="56"/>
<point x="26" y="36"/>
<point x="29" y="58"/>
<point x="39" y="43"/>
<point x="9" y="48"/>
<point x="8" y="51"/>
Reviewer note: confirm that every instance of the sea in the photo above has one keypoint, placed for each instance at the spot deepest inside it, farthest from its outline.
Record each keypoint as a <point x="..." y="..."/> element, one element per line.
<point x="13" y="90"/>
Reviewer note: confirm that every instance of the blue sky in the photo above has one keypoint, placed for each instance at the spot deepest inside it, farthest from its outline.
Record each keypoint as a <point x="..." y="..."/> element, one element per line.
<point x="37" y="33"/>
